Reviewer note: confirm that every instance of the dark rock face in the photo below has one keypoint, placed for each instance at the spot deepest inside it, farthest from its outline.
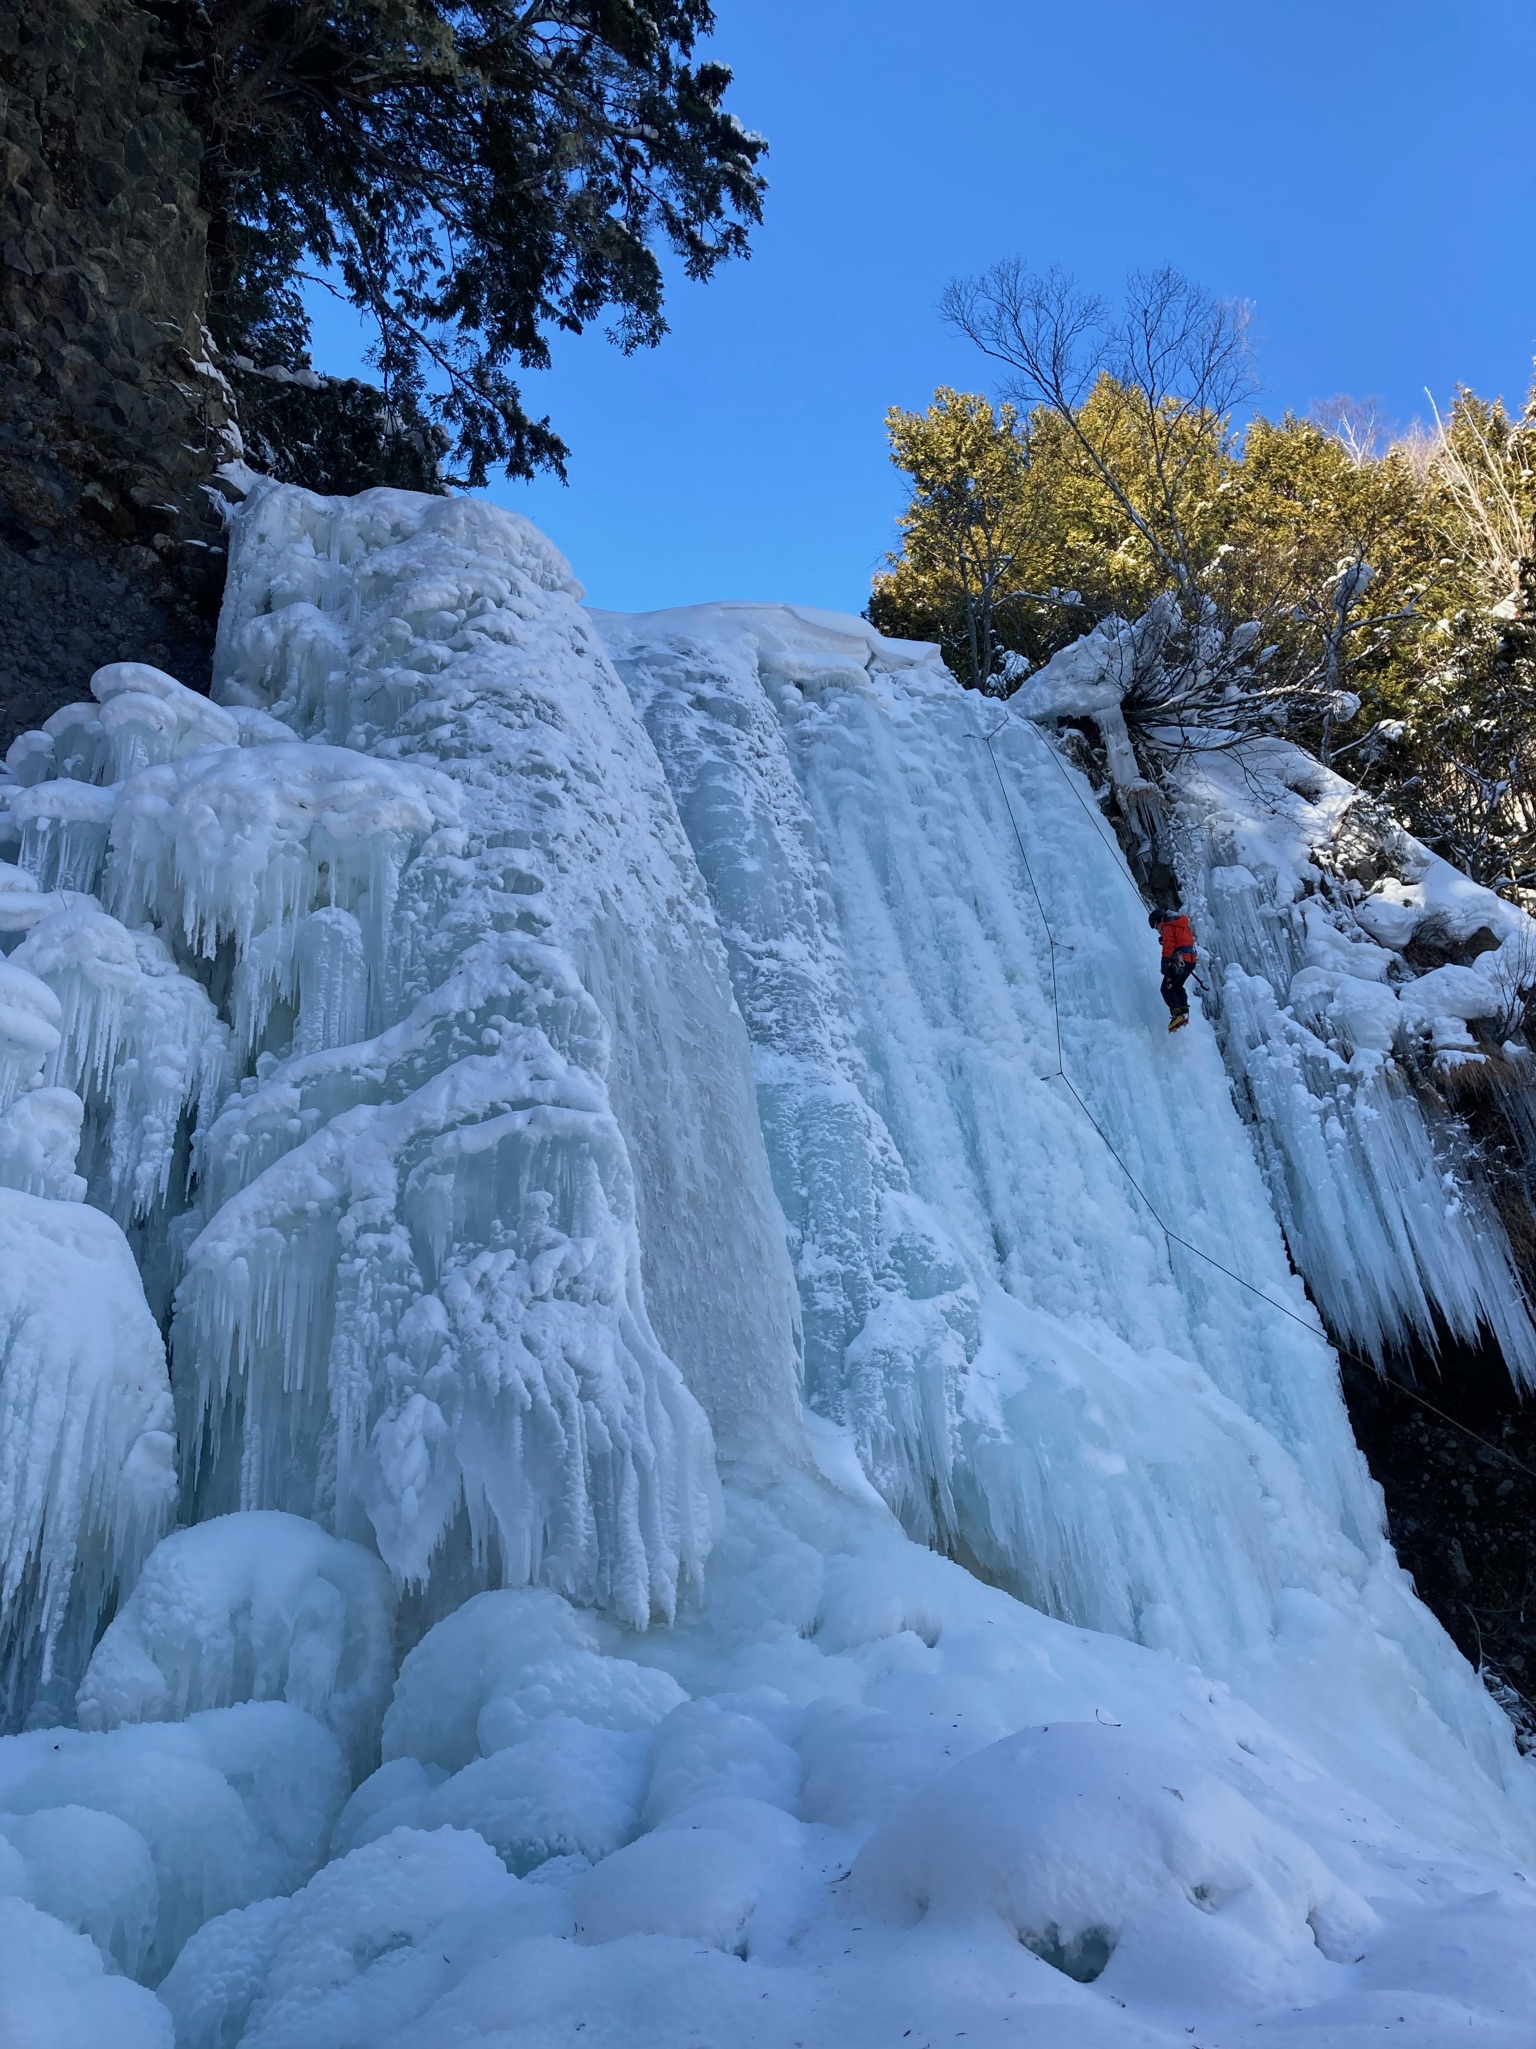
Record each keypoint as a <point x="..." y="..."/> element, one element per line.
<point x="112" y="420"/>
<point x="1459" y="1478"/>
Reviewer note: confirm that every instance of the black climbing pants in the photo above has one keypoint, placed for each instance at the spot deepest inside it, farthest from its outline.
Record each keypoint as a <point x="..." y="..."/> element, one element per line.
<point x="1177" y="970"/>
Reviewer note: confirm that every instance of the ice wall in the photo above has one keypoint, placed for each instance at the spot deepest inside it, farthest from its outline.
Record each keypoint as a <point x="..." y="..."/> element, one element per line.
<point x="300" y="970"/>
<point x="448" y="637"/>
<point x="1033" y="1374"/>
<point x="500" y="1058"/>
<point x="422" y="961"/>
<point x="1358" y="983"/>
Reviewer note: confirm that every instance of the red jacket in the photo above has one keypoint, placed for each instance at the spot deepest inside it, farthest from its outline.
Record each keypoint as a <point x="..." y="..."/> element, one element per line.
<point x="1178" y="936"/>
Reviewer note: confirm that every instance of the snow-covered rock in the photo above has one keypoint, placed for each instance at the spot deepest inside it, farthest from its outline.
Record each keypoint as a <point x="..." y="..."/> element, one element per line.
<point x="1328" y="1028"/>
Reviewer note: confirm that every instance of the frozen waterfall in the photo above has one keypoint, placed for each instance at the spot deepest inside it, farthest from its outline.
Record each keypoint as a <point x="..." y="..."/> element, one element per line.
<point x="711" y="1504"/>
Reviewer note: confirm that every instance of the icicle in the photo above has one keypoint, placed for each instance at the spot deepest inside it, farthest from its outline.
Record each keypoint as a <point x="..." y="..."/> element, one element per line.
<point x="1389" y="1234"/>
<point x="1373" y="1179"/>
<point x="139" y="1041"/>
<point x="241" y="844"/>
<point x="87" y="1475"/>
<point x="29" y="1029"/>
<point x="62" y="828"/>
<point x="518" y="1383"/>
<point x="333" y="982"/>
<point x="148" y="717"/>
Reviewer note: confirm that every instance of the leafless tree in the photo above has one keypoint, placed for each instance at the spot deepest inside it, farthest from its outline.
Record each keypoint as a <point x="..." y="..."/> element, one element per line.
<point x="1484" y="464"/>
<point x="1359" y="425"/>
<point x="1182" y="356"/>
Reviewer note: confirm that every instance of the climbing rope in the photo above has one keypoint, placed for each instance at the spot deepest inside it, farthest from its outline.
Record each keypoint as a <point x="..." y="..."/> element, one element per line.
<point x="1059" y="1073"/>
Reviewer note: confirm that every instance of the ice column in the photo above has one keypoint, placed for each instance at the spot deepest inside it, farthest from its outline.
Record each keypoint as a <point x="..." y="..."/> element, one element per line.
<point x="417" y="1305"/>
<point x="889" y="1311"/>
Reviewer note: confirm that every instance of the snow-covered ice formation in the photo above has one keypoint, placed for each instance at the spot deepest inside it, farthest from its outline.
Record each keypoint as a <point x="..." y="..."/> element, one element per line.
<point x="1328" y="1024"/>
<point x="87" y="1447"/>
<point x="591" y="1098"/>
<point x="1332" y="937"/>
<point x="1086" y="1413"/>
<point x="260" y="1606"/>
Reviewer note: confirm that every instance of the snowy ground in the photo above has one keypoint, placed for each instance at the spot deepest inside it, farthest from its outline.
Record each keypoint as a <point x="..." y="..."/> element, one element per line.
<point x="585" y="1034"/>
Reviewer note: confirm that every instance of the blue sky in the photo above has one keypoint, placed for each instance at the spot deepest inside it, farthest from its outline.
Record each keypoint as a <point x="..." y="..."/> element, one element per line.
<point x="1361" y="171"/>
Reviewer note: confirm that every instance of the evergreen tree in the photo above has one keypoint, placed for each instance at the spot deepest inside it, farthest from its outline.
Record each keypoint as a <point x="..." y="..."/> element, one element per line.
<point x="1454" y="745"/>
<point x="1377" y="605"/>
<point x="965" y="534"/>
<point x="1324" y="550"/>
<point x="1013" y="543"/>
<point x="474" y="172"/>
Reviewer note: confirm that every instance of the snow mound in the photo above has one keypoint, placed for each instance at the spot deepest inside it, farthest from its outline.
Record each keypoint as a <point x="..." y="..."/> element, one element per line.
<point x="40" y="1143"/>
<point x="29" y="1029"/>
<point x="1095" y="1851"/>
<point x="346" y="1959"/>
<point x="566" y="1790"/>
<point x="228" y="1806"/>
<point x="689" y="1880"/>
<point x="55" y="1989"/>
<point x="87" y="1869"/>
<point x="496" y="1667"/>
<point x="1008" y="1825"/>
<point x="710" y="1750"/>
<point x="260" y="1606"/>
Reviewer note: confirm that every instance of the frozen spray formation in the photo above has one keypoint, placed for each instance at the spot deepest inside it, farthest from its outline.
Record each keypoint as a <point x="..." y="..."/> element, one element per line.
<point x="590" y="1097"/>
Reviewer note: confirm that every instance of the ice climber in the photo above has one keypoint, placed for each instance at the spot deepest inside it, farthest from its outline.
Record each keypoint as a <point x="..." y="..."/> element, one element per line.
<point x="1178" y="937"/>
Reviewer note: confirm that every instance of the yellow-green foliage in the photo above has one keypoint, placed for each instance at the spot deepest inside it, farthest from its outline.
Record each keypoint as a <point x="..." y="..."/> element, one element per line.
<point x="1022" y="530"/>
<point x="1012" y="524"/>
